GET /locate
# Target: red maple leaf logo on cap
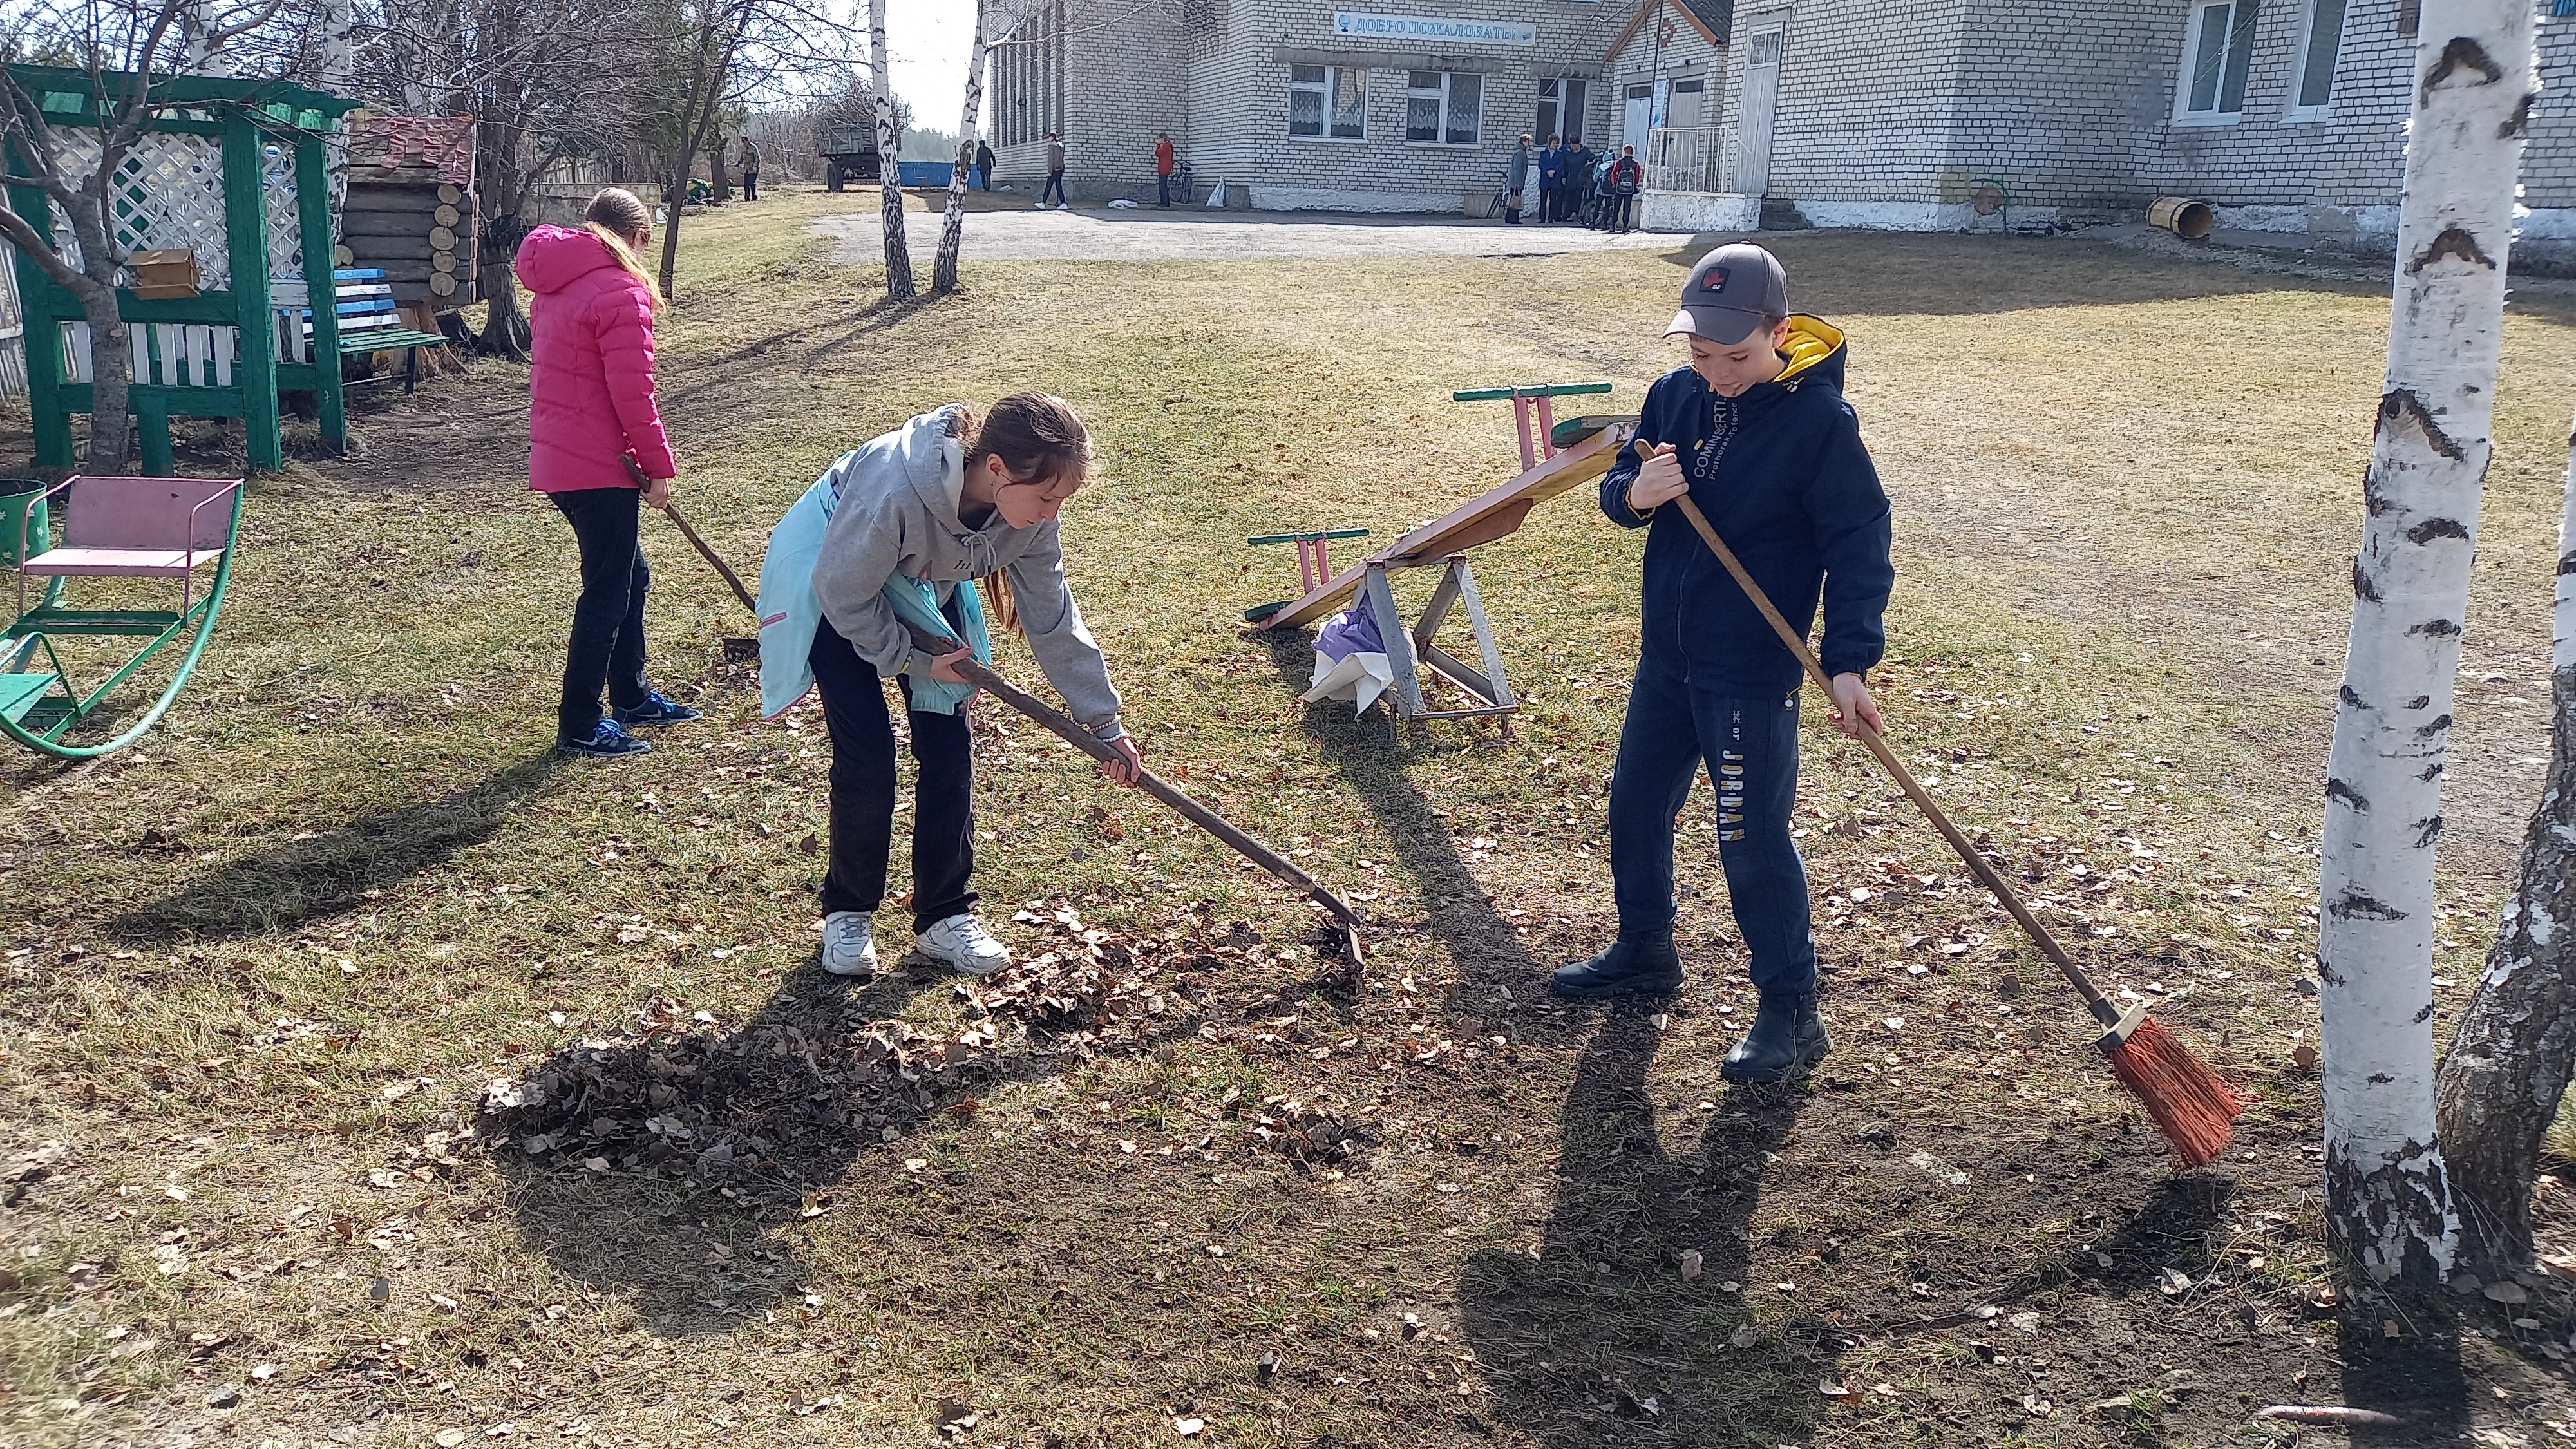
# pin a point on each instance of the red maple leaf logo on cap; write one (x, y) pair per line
(1714, 281)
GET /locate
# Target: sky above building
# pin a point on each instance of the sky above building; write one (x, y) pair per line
(929, 39)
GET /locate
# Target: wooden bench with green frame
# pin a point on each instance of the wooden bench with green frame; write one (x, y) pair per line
(233, 171)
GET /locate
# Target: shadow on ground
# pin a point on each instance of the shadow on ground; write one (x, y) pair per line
(672, 1171)
(281, 888)
(2416, 1378)
(1600, 1335)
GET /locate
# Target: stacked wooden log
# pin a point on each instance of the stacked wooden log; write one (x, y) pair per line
(410, 207)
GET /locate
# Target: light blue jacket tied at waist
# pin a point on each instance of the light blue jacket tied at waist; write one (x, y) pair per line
(876, 543)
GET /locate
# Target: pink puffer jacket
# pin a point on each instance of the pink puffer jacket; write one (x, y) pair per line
(590, 381)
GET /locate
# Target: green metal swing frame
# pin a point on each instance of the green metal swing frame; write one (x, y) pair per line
(38, 707)
(40, 704)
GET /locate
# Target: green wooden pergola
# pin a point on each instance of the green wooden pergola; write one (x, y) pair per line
(233, 170)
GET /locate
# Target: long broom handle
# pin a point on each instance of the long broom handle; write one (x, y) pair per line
(983, 676)
(2103, 1010)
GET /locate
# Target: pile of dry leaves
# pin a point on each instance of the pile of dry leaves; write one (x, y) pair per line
(810, 1078)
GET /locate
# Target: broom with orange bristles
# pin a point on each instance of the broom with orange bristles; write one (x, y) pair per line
(2190, 1104)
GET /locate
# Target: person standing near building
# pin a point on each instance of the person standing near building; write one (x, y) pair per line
(750, 170)
(1578, 179)
(1163, 169)
(1627, 178)
(984, 165)
(1551, 177)
(1516, 182)
(1055, 174)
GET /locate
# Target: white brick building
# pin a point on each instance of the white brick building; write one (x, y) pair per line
(2287, 115)
(1411, 106)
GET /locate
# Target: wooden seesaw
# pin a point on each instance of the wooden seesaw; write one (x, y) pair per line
(1556, 457)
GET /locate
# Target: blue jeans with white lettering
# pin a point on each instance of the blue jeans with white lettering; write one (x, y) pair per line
(1750, 748)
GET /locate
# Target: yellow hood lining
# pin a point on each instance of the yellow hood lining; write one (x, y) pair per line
(1811, 340)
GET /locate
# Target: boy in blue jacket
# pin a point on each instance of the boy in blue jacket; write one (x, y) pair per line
(1756, 432)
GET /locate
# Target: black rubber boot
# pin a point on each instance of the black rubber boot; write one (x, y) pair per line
(1643, 966)
(1784, 1043)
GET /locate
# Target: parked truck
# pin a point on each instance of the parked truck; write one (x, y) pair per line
(849, 153)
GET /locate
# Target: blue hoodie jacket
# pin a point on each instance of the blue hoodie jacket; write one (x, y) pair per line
(1784, 479)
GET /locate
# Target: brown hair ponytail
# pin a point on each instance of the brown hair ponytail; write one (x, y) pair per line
(1038, 436)
(615, 216)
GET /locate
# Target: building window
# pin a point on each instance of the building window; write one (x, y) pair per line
(2313, 86)
(2216, 52)
(1562, 106)
(1443, 108)
(1327, 100)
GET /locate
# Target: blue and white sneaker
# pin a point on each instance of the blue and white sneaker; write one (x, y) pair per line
(655, 710)
(606, 742)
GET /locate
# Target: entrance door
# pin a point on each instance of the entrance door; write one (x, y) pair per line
(1753, 119)
(1683, 111)
(1641, 105)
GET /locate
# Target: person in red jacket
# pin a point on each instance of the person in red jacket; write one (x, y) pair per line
(1163, 169)
(593, 430)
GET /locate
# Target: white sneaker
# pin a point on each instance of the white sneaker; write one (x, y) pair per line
(849, 944)
(1064, 206)
(962, 943)
(1037, 206)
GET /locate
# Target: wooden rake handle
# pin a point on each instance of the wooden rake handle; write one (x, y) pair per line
(985, 677)
(2103, 1010)
(672, 510)
(635, 471)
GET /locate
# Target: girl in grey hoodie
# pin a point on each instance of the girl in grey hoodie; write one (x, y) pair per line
(947, 500)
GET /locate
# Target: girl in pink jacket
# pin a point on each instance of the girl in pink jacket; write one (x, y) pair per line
(592, 431)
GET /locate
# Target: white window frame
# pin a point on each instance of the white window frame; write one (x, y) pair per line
(1328, 93)
(2295, 113)
(1441, 94)
(2195, 21)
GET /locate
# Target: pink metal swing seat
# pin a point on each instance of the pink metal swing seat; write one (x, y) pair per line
(111, 527)
(138, 528)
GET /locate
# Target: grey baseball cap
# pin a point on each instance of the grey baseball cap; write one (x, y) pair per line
(1730, 293)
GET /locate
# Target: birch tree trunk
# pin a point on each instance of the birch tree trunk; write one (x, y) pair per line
(2510, 1059)
(197, 38)
(336, 66)
(2388, 1199)
(898, 253)
(952, 225)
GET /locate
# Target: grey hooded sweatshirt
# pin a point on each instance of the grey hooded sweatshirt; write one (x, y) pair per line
(897, 514)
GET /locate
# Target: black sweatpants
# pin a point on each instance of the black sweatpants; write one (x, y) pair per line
(751, 186)
(608, 621)
(862, 810)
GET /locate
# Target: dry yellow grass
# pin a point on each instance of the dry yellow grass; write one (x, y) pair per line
(2126, 488)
